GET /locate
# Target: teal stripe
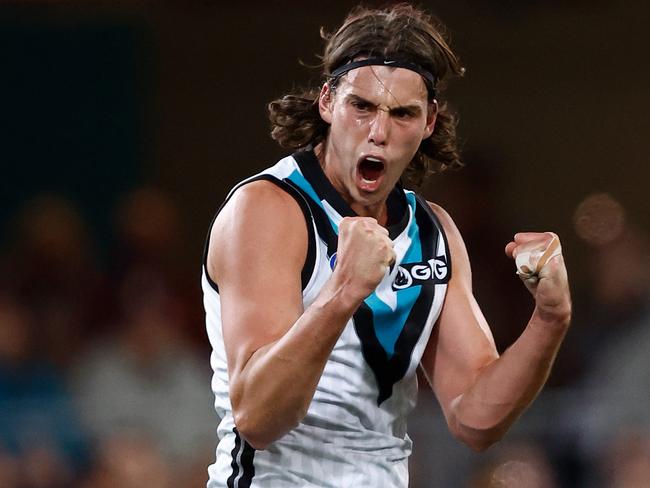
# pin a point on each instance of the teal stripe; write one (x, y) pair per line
(388, 323)
(297, 178)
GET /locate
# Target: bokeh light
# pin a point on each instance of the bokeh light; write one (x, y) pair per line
(599, 219)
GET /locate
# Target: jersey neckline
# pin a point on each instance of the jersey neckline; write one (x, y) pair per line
(397, 206)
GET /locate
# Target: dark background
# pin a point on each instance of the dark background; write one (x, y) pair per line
(98, 100)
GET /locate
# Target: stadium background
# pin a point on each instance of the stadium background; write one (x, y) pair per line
(124, 124)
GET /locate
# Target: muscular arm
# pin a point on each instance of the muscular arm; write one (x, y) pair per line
(276, 351)
(481, 393)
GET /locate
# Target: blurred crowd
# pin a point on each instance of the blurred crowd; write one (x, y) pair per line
(104, 372)
(104, 365)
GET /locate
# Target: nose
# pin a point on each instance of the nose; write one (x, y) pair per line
(379, 127)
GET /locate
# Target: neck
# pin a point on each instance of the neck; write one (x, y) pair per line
(377, 210)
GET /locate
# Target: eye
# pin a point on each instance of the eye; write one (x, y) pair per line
(361, 105)
(402, 113)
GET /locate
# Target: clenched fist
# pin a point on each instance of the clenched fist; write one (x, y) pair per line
(540, 265)
(363, 255)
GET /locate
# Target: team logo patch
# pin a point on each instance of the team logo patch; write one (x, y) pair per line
(411, 274)
(333, 262)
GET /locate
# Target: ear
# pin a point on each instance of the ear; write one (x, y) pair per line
(325, 103)
(432, 113)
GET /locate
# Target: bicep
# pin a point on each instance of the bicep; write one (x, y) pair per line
(257, 248)
(462, 343)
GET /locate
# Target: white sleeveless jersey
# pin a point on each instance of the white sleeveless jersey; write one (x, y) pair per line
(354, 433)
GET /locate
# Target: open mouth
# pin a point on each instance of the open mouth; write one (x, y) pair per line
(371, 169)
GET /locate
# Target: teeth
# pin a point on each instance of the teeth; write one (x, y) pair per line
(374, 160)
(367, 181)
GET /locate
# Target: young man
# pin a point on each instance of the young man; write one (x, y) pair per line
(326, 283)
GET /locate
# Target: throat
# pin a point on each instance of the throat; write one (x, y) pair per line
(377, 211)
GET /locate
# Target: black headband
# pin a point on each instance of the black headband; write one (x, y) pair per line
(430, 81)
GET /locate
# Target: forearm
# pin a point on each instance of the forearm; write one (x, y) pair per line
(272, 392)
(504, 388)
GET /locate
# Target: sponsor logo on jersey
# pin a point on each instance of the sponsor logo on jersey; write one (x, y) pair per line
(411, 274)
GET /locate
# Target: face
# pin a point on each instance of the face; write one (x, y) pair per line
(378, 117)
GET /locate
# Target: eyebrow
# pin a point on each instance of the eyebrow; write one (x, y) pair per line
(416, 109)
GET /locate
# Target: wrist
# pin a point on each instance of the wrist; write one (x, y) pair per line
(343, 294)
(557, 317)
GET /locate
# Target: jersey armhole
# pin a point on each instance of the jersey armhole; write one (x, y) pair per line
(436, 223)
(310, 259)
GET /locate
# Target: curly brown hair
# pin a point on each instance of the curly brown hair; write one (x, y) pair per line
(399, 32)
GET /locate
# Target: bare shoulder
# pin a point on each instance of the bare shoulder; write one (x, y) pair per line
(259, 197)
(258, 246)
(259, 219)
(445, 219)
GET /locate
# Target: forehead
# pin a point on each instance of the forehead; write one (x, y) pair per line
(381, 84)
